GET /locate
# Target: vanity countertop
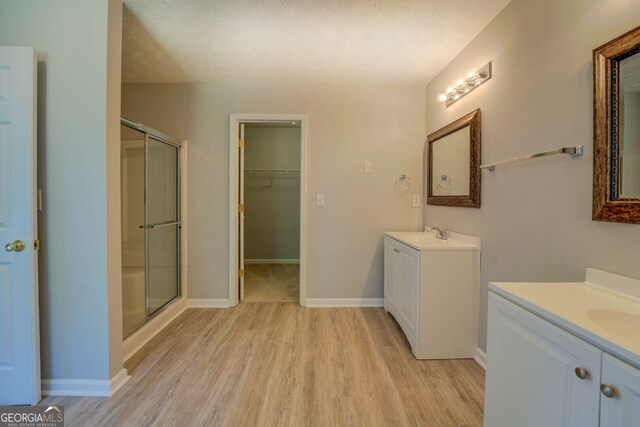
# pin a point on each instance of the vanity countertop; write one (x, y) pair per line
(604, 309)
(424, 241)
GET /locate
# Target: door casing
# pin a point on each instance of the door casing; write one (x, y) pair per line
(234, 197)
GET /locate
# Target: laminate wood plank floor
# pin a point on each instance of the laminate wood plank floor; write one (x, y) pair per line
(279, 364)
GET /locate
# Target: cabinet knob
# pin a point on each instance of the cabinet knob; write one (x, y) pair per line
(583, 373)
(608, 390)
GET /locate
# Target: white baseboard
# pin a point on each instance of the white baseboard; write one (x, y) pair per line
(272, 261)
(103, 388)
(481, 358)
(118, 380)
(345, 302)
(209, 303)
(139, 338)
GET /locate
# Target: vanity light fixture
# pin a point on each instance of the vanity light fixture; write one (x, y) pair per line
(463, 86)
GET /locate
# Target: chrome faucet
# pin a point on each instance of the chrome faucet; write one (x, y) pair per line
(442, 232)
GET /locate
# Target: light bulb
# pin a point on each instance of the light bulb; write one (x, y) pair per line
(460, 83)
(449, 91)
(473, 75)
(442, 97)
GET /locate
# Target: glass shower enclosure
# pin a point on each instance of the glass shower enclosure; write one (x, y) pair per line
(151, 223)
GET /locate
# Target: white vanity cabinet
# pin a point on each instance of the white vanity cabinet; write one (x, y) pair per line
(530, 378)
(401, 271)
(623, 408)
(431, 287)
(547, 365)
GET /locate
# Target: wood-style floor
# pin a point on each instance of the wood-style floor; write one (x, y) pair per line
(272, 364)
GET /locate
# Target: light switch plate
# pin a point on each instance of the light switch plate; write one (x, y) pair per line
(366, 166)
(319, 199)
(416, 200)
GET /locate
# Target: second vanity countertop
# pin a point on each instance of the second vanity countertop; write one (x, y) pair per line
(604, 309)
(424, 241)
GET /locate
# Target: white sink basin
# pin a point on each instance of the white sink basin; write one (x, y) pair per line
(618, 322)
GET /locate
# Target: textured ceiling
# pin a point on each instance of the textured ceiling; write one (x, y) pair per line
(382, 41)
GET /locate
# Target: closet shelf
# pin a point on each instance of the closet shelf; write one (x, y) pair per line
(272, 170)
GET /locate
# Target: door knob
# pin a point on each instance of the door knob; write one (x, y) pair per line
(15, 246)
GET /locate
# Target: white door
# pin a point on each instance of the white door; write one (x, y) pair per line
(407, 289)
(620, 403)
(241, 214)
(19, 329)
(390, 275)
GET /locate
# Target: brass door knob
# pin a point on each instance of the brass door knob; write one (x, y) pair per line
(15, 246)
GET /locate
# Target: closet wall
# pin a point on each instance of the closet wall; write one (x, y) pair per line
(272, 201)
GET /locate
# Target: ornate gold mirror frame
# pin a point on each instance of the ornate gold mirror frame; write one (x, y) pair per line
(609, 204)
(470, 198)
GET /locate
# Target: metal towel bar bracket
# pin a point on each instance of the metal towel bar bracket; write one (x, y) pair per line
(575, 151)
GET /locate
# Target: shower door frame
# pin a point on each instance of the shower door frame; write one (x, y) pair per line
(165, 139)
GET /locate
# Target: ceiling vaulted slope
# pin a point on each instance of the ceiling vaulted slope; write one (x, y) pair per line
(339, 41)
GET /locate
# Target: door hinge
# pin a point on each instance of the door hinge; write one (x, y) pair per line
(241, 208)
(240, 273)
(36, 244)
(241, 143)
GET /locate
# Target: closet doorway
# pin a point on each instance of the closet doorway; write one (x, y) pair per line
(267, 236)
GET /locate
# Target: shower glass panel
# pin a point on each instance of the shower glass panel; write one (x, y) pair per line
(134, 255)
(150, 188)
(163, 223)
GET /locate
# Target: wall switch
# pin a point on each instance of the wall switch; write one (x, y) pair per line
(416, 200)
(366, 166)
(319, 199)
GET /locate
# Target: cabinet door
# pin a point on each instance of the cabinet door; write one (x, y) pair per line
(623, 409)
(531, 379)
(390, 275)
(408, 265)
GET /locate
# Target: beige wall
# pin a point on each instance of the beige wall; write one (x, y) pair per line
(272, 201)
(78, 46)
(347, 125)
(535, 220)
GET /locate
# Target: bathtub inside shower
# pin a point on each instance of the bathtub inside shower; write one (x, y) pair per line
(133, 299)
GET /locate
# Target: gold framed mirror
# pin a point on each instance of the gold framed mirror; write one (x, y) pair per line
(453, 161)
(616, 154)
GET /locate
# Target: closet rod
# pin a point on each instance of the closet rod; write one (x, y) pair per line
(272, 170)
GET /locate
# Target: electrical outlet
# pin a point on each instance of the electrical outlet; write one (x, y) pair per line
(416, 200)
(319, 199)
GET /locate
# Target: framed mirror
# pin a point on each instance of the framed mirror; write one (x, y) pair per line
(616, 157)
(453, 163)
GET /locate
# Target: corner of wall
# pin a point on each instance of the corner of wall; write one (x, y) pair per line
(114, 243)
